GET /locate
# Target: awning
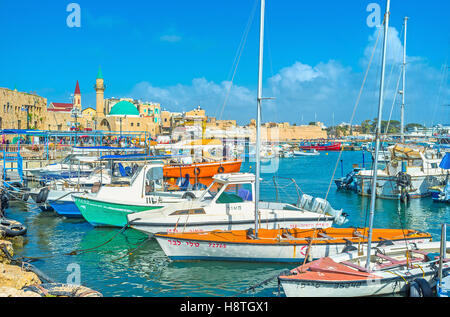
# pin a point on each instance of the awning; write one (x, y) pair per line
(445, 163)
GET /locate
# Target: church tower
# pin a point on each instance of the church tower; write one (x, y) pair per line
(77, 97)
(100, 89)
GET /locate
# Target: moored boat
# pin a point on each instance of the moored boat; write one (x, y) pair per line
(391, 270)
(200, 172)
(409, 174)
(146, 191)
(312, 152)
(331, 146)
(277, 245)
(231, 205)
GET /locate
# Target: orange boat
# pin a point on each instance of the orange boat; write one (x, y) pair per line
(200, 172)
(278, 245)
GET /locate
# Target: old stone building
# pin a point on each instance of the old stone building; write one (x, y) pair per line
(22, 110)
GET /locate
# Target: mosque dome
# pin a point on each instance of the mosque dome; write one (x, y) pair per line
(124, 108)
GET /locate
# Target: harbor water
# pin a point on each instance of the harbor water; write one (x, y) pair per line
(111, 270)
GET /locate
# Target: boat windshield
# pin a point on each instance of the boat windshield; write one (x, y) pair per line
(214, 189)
(235, 193)
(69, 158)
(136, 173)
(155, 173)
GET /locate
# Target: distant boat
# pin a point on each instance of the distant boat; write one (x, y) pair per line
(332, 146)
(312, 152)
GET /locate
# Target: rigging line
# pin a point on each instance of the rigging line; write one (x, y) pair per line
(351, 121)
(354, 109)
(444, 75)
(394, 65)
(383, 138)
(238, 56)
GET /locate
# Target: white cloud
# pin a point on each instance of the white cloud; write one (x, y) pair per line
(170, 38)
(209, 95)
(303, 90)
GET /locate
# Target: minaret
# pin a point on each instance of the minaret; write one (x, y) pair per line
(100, 89)
(77, 97)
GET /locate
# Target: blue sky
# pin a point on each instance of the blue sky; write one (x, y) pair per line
(181, 54)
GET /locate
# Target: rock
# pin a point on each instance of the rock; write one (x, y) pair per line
(12, 292)
(17, 241)
(15, 277)
(9, 247)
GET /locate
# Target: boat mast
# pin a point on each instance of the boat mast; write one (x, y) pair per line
(258, 115)
(402, 115)
(373, 193)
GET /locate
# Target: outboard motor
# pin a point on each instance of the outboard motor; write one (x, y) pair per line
(403, 181)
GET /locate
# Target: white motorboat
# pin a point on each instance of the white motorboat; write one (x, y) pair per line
(312, 152)
(410, 173)
(231, 205)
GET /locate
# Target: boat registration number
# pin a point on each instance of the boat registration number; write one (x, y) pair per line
(186, 243)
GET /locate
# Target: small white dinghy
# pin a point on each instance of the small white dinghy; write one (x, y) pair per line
(312, 152)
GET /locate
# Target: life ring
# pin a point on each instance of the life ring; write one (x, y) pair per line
(420, 288)
(188, 196)
(220, 170)
(301, 250)
(196, 170)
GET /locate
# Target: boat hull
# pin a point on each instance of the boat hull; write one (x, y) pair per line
(103, 213)
(356, 288)
(66, 208)
(222, 223)
(330, 147)
(236, 246)
(201, 172)
(391, 270)
(387, 187)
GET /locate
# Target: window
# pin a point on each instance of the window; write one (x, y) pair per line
(131, 123)
(138, 124)
(199, 211)
(235, 194)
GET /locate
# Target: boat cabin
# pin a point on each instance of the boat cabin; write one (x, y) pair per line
(230, 188)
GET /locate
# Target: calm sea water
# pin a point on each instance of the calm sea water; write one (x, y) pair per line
(148, 272)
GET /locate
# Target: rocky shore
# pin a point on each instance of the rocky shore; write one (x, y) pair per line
(13, 278)
(19, 281)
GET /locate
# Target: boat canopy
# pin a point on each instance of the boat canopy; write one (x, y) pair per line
(407, 152)
(235, 178)
(136, 157)
(445, 163)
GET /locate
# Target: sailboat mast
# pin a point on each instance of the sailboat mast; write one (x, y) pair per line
(258, 115)
(402, 114)
(373, 193)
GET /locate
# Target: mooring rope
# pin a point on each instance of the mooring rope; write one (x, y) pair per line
(266, 281)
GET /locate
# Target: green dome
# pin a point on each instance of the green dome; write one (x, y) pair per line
(124, 108)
